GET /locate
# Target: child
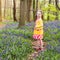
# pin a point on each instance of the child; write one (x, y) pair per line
(38, 31)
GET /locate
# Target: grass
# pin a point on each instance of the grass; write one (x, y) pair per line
(51, 36)
(15, 44)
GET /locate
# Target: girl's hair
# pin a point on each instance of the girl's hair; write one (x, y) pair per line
(36, 15)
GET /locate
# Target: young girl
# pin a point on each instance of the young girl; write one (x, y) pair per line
(38, 31)
(38, 35)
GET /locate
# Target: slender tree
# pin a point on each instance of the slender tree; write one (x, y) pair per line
(0, 12)
(34, 10)
(28, 7)
(22, 20)
(4, 7)
(36, 5)
(49, 10)
(57, 6)
(10, 8)
(14, 10)
(24, 12)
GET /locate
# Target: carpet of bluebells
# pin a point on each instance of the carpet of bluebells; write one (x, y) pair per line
(15, 44)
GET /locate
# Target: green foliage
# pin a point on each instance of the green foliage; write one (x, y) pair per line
(13, 45)
(8, 18)
(52, 37)
(8, 15)
(51, 16)
(49, 55)
(50, 7)
(49, 11)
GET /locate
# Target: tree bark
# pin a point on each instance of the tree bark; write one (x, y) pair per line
(28, 7)
(4, 7)
(36, 5)
(14, 10)
(57, 7)
(56, 1)
(48, 10)
(34, 12)
(35, 8)
(22, 12)
(0, 12)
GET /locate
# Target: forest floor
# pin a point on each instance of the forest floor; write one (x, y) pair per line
(51, 36)
(12, 24)
(2, 25)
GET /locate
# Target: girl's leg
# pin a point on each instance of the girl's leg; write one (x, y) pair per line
(41, 44)
(36, 45)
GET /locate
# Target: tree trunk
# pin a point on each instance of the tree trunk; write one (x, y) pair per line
(4, 7)
(14, 10)
(35, 9)
(36, 5)
(26, 11)
(34, 12)
(56, 1)
(22, 12)
(48, 10)
(57, 7)
(0, 12)
(28, 7)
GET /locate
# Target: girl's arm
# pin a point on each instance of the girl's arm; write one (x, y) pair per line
(38, 25)
(38, 28)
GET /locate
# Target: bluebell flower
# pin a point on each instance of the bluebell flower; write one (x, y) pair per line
(48, 40)
(25, 37)
(49, 47)
(16, 34)
(19, 43)
(58, 26)
(4, 52)
(25, 43)
(59, 40)
(57, 48)
(21, 35)
(4, 37)
(54, 32)
(0, 54)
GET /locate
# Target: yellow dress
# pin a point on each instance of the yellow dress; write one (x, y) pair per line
(38, 29)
